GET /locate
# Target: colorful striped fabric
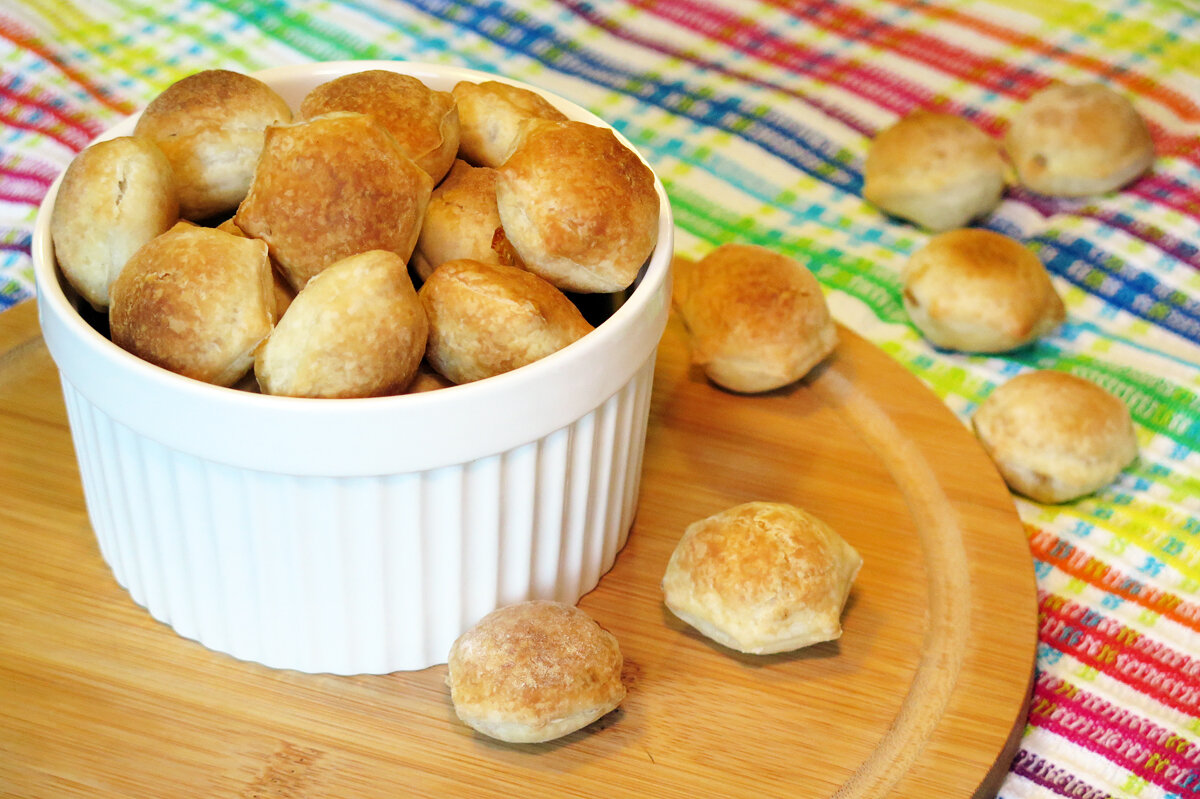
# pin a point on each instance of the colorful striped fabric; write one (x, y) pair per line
(757, 116)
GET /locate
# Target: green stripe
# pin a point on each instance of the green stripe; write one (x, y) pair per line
(301, 31)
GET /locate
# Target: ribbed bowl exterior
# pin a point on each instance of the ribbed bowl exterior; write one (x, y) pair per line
(353, 575)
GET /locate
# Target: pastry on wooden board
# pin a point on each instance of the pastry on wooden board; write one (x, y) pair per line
(534, 671)
(761, 578)
(1055, 436)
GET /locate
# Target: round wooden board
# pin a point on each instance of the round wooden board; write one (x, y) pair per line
(923, 696)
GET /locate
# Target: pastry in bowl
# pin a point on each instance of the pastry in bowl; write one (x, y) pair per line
(462, 221)
(330, 187)
(974, 290)
(937, 170)
(757, 319)
(490, 113)
(115, 196)
(355, 330)
(194, 300)
(1054, 436)
(1074, 140)
(761, 578)
(534, 671)
(210, 125)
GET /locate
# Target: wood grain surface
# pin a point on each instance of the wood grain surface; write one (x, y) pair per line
(923, 696)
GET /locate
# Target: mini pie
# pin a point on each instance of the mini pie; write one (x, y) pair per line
(757, 319)
(761, 578)
(115, 196)
(975, 290)
(937, 170)
(330, 187)
(490, 114)
(210, 125)
(461, 221)
(423, 121)
(1055, 437)
(487, 319)
(534, 671)
(194, 300)
(355, 330)
(1072, 140)
(578, 206)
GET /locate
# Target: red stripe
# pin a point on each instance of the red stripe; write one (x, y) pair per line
(89, 127)
(26, 40)
(75, 143)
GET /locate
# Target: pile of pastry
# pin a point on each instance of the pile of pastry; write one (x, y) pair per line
(233, 241)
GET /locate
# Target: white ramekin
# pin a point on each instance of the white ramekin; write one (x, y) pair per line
(363, 535)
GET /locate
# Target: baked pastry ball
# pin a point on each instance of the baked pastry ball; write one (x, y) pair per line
(937, 170)
(355, 330)
(196, 301)
(977, 291)
(761, 578)
(757, 320)
(423, 121)
(330, 187)
(114, 197)
(489, 114)
(487, 319)
(534, 671)
(577, 205)
(282, 291)
(462, 221)
(210, 126)
(1055, 437)
(1072, 140)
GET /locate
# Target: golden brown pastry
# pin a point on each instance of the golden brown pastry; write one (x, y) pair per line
(114, 197)
(331, 187)
(1075, 140)
(978, 291)
(486, 319)
(534, 671)
(427, 379)
(355, 330)
(210, 126)
(1055, 437)
(282, 291)
(578, 206)
(937, 170)
(761, 577)
(423, 121)
(489, 115)
(196, 301)
(462, 221)
(757, 319)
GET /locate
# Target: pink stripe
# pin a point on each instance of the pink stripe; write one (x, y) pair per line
(89, 127)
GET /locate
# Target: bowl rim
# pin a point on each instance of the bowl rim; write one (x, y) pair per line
(536, 399)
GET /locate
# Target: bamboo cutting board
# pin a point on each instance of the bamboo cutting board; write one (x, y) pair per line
(923, 696)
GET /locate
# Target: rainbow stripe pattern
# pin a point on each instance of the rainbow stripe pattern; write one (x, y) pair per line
(757, 115)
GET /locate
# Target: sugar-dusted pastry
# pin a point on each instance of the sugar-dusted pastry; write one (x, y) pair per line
(490, 113)
(282, 290)
(462, 221)
(423, 121)
(1072, 140)
(330, 187)
(978, 291)
(1055, 437)
(761, 577)
(355, 330)
(757, 320)
(114, 197)
(196, 301)
(578, 206)
(486, 319)
(534, 671)
(210, 126)
(937, 170)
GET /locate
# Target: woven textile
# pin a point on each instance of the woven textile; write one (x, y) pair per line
(757, 117)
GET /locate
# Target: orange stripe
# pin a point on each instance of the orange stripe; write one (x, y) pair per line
(1140, 84)
(28, 41)
(1068, 558)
